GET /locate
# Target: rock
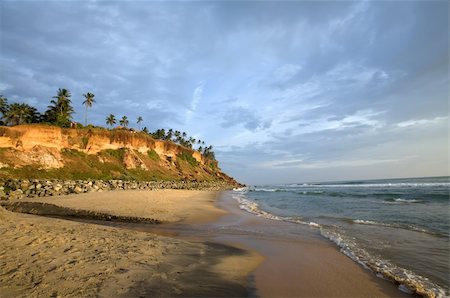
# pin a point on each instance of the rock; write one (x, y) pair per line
(78, 189)
(57, 187)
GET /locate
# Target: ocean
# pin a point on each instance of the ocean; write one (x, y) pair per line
(397, 228)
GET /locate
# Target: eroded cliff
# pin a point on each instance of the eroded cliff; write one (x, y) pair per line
(39, 151)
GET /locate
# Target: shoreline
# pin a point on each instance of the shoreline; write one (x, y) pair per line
(303, 264)
(245, 245)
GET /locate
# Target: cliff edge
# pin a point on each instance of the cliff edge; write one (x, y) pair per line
(49, 152)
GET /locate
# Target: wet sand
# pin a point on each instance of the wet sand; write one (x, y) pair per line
(298, 261)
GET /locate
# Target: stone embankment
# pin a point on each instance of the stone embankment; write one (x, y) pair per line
(21, 188)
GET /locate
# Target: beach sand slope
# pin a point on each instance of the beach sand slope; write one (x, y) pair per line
(41, 256)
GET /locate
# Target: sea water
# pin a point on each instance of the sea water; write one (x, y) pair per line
(398, 228)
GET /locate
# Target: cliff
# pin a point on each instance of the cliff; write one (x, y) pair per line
(49, 152)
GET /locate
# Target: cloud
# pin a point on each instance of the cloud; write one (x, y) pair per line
(245, 117)
(421, 122)
(301, 164)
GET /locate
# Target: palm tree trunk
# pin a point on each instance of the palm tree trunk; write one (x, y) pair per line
(85, 117)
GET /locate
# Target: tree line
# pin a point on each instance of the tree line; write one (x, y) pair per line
(60, 112)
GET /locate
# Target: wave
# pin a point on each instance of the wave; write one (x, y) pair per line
(394, 225)
(266, 189)
(253, 207)
(365, 185)
(402, 201)
(408, 281)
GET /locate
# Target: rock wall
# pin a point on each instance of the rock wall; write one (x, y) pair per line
(20, 188)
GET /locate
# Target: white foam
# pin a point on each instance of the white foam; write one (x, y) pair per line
(253, 207)
(407, 201)
(240, 189)
(393, 225)
(380, 185)
(408, 280)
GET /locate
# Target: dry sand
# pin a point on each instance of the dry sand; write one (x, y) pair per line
(49, 257)
(189, 206)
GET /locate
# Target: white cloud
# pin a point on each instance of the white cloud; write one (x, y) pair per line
(302, 164)
(421, 122)
(196, 98)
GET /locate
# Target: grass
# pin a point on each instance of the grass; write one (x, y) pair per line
(188, 158)
(115, 153)
(153, 155)
(72, 153)
(84, 142)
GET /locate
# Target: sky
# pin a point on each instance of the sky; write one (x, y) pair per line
(285, 91)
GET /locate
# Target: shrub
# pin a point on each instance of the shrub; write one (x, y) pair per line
(153, 155)
(72, 153)
(118, 153)
(84, 142)
(189, 158)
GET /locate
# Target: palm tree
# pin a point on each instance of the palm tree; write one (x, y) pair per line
(3, 104)
(61, 111)
(111, 120)
(169, 134)
(20, 113)
(139, 120)
(88, 103)
(124, 121)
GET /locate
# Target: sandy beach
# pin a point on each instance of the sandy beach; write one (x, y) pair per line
(215, 249)
(43, 256)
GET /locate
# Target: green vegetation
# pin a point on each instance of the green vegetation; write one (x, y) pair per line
(124, 121)
(116, 153)
(84, 142)
(20, 113)
(60, 113)
(88, 103)
(72, 153)
(153, 155)
(61, 110)
(188, 157)
(111, 120)
(138, 121)
(182, 139)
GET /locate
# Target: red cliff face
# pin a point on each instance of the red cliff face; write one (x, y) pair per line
(108, 153)
(29, 138)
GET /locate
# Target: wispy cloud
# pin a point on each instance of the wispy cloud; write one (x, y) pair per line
(421, 122)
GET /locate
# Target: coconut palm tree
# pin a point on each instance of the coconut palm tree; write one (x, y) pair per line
(61, 111)
(3, 104)
(169, 134)
(20, 113)
(111, 120)
(139, 120)
(124, 121)
(88, 103)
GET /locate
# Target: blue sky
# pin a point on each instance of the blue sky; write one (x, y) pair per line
(286, 91)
